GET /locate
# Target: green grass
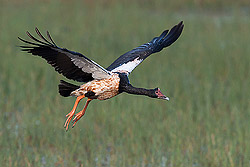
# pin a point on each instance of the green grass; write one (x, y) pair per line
(206, 74)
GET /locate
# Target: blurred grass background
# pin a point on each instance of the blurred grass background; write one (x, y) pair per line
(206, 74)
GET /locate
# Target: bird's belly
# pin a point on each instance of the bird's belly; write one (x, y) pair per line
(107, 95)
(103, 89)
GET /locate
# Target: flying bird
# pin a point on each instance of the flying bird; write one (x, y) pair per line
(99, 83)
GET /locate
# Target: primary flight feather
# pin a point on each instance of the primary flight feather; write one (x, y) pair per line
(100, 83)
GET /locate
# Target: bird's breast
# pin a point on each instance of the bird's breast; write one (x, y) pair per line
(103, 89)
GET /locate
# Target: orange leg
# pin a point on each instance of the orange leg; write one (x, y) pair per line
(81, 113)
(72, 112)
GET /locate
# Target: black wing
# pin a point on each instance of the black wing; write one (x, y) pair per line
(71, 64)
(128, 61)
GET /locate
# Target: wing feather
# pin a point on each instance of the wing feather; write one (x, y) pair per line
(72, 65)
(128, 61)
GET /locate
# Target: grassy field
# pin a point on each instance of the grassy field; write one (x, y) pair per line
(206, 74)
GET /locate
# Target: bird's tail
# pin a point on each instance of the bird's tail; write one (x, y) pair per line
(66, 88)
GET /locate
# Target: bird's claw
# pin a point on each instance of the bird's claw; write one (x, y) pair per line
(77, 117)
(70, 116)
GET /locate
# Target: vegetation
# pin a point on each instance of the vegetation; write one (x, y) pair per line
(206, 74)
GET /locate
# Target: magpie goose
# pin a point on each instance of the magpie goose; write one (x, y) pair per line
(99, 83)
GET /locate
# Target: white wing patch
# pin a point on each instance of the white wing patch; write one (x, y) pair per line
(129, 66)
(88, 66)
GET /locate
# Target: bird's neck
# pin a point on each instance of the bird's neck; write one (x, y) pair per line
(139, 91)
(125, 86)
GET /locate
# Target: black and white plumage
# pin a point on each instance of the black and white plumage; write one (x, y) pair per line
(72, 65)
(101, 83)
(128, 61)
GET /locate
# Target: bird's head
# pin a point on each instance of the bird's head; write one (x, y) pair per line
(159, 95)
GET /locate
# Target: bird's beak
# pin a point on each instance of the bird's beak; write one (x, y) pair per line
(161, 95)
(164, 98)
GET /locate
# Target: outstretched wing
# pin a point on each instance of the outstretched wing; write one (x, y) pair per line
(128, 61)
(71, 64)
